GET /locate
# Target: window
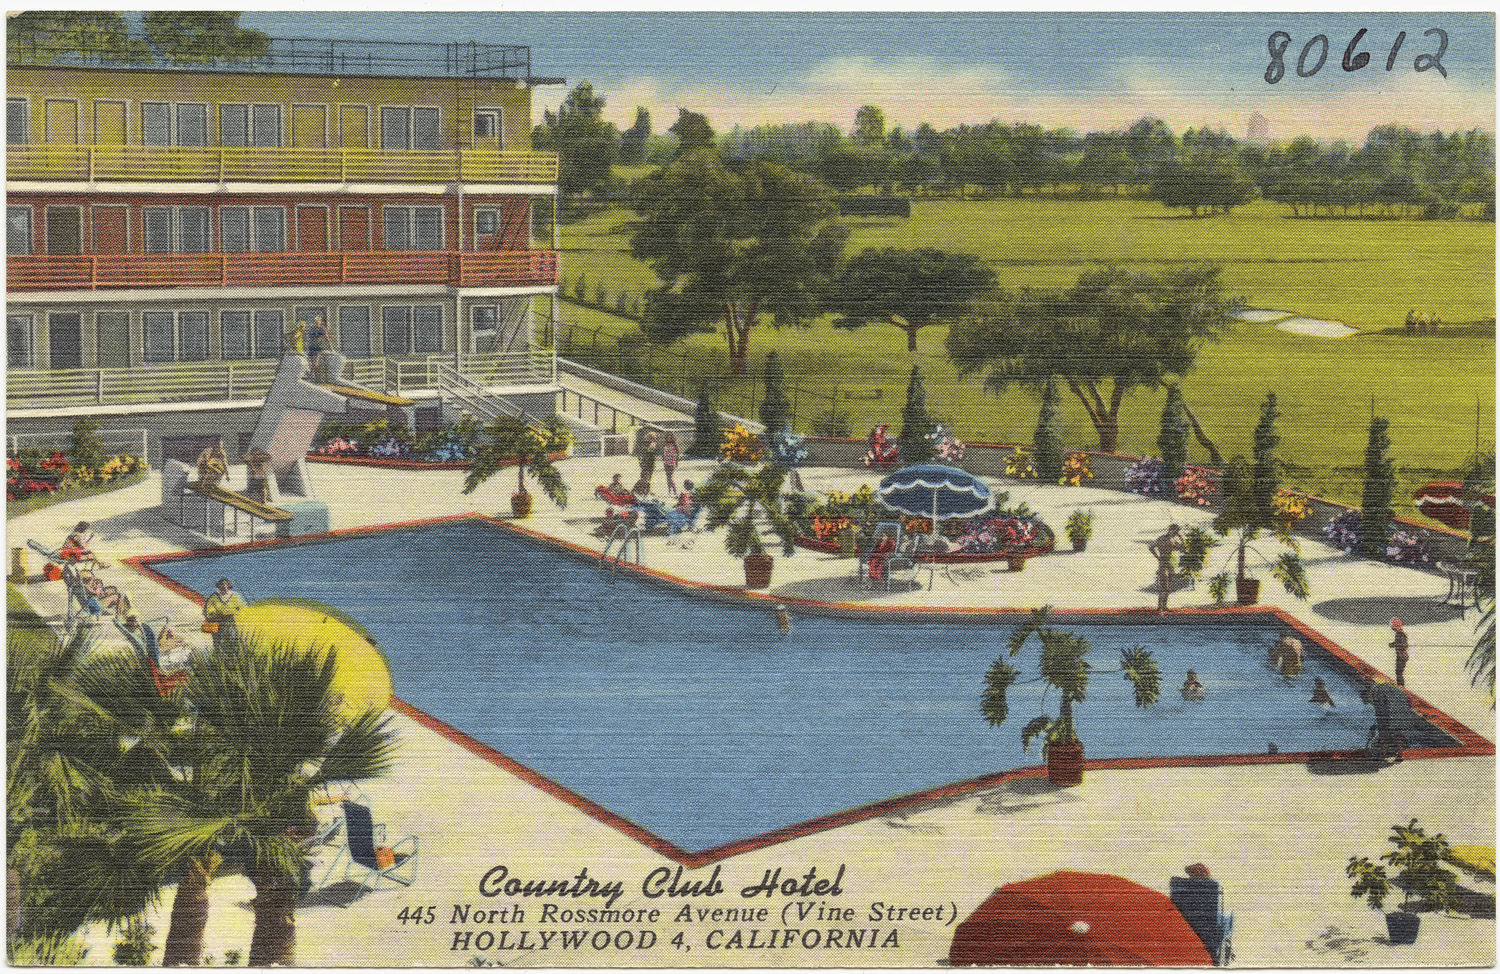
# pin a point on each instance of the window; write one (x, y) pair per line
(486, 222)
(17, 121)
(269, 327)
(395, 128)
(270, 229)
(158, 227)
(192, 230)
(192, 327)
(265, 126)
(179, 336)
(403, 127)
(250, 125)
(487, 128)
(157, 326)
(412, 330)
(18, 239)
(484, 328)
(234, 229)
(156, 123)
(19, 340)
(354, 332)
(413, 227)
(182, 230)
(192, 125)
(234, 334)
(261, 229)
(234, 126)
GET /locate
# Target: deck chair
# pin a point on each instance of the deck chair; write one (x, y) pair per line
(365, 849)
(874, 561)
(146, 645)
(1201, 903)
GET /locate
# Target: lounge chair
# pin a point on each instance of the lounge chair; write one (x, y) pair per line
(147, 646)
(364, 848)
(890, 554)
(1201, 903)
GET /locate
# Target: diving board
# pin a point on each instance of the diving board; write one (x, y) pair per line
(369, 395)
(227, 501)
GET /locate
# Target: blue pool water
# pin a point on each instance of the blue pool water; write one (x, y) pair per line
(702, 723)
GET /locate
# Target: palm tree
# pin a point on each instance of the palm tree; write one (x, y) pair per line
(68, 778)
(527, 444)
(267, 732)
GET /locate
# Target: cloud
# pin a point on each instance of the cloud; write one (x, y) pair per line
(919, 89)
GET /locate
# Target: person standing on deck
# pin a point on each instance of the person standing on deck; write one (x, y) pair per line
(219, 611)
(1402, 653)
(671, 455)
(1161, 549)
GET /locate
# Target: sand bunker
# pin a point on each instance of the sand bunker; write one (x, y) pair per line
(1316, 326)
(1261, 315)
(1292, 322)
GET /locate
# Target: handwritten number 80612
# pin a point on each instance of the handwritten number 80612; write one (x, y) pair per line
(1315, 54)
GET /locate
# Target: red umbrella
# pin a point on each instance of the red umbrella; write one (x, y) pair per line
(1443, 500)
(1078, 919)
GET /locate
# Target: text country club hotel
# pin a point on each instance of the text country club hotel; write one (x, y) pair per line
(167, 224)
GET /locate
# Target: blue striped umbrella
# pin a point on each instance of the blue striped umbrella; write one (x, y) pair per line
(935, 491)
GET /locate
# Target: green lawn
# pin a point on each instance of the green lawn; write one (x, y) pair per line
(1366, 273)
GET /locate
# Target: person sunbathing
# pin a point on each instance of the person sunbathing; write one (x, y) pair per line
(102, 597)
(76, 547)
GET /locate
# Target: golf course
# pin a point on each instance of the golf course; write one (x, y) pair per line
(1367, 273)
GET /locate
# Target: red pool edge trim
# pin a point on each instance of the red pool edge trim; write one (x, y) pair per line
(1471, 744)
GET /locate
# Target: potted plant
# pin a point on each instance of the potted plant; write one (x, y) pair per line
(1063, 666)
(528, 445)
(1243, 512)
(1426, 883)
(1080, 528)
(751, 504)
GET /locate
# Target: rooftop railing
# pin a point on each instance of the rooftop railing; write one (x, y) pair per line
(115, 163)
(276, 55)
(93, 272)
(250, 379)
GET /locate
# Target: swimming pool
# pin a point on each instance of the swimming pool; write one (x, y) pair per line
(698, 721)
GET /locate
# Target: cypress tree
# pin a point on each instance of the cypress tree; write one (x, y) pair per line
(1172, 441)
(1047, 445)
(916, 425)
(1375, 511)
(708, 428)
(1266, 483)
(775, 408)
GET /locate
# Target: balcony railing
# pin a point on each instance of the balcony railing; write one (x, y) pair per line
(93, 272)
(182, 382)
(107, 163)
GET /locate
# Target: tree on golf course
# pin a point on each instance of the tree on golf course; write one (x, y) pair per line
(734, 245)
(910, 289)
(1111, 333)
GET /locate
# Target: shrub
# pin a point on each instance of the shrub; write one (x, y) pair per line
(1018, 465)
(1047, 442)
(1407, 548)
(1076, 469)
(1195, 487)
(581, 288)
(915, 440)
(1343, 531)
(741, 446)
(1172, 441)
(1145, 477)
(1380, 487)
(1291, 509)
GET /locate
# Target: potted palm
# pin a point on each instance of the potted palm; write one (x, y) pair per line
(1080, 528)
(1419, 857)
(1248, 514)
(528, 445)
(751, 505)
(1063, 666)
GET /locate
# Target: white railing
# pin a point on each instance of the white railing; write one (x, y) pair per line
(130, 441)
(183, 382)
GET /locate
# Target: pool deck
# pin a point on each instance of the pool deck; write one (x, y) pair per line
(1277, 836)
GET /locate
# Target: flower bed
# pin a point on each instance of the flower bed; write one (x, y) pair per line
(393, 463)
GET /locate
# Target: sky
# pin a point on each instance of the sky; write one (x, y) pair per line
(1086, 71)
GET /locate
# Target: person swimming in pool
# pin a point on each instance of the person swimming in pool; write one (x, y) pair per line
(1192, 688)
(1321, 696)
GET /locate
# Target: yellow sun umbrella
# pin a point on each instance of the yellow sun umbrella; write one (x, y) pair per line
(363, 676)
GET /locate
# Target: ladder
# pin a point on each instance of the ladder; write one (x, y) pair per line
(625, 534)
